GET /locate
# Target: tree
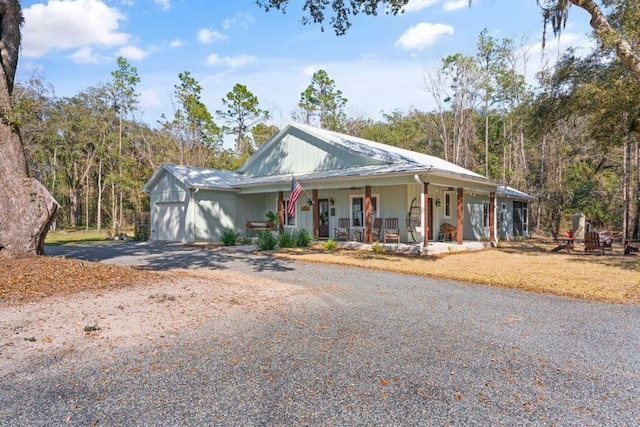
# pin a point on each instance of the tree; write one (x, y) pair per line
(27, 209)
(491, 58)
(241, 114)
(197, 136)
(613, 32)
(341, 20)
(123, 88)
(321, 99)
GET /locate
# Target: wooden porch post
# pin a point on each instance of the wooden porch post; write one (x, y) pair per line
(367, 214)
(316, 217)
(425, 215)
(460, 225)
(280, 210)
(492, 215)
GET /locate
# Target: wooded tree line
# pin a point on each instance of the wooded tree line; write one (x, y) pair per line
(571, 139)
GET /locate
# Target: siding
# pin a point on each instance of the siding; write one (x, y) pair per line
(293, 154)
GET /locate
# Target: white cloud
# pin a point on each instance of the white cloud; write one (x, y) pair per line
(163, 4)
(132, 52)
(177, 43)
(422, 35)
(66, 24)
(85, 55)
(241, 18)
(417, 5)
(230, 61)
(207, 36)
(453, 5)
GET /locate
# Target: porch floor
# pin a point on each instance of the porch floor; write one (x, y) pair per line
(434, 248)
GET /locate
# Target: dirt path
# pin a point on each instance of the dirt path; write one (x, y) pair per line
(129, 316)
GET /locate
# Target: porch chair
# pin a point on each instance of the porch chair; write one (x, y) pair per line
(342, 230)
(606, 239)
(376, 229)
(563, 243)
(592, 243)
(391, 230)
(449, 232)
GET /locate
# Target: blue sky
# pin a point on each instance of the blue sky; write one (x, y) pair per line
(380, 65)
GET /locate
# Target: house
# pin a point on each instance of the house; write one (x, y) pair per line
(343, 177)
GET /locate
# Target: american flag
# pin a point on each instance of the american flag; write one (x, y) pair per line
(296, 191)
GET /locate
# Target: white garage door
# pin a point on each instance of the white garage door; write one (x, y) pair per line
(169, 222)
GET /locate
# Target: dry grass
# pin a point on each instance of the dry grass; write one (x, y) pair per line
(524, 265)
(527, 265)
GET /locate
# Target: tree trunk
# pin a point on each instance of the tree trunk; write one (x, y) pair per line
(606, 32)
(99, 202)
(26, 207)
(625, 188)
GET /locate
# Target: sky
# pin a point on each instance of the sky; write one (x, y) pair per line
(380, 65)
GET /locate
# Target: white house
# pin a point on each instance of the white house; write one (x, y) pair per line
(343, 177)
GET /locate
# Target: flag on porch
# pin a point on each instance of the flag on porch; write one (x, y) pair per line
(296, 191)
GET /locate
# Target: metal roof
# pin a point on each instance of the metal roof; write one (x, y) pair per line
(397, 161)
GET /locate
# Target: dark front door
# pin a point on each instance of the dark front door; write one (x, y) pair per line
(323, 218)
(519, 212)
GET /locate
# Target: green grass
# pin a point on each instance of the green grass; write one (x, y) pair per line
(75, 236)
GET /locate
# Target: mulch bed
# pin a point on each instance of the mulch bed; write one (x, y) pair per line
(33, 278)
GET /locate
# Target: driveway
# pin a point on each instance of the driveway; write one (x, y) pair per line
(353, 347)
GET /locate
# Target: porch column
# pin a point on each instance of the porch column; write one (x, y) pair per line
(316, 217)
(280, 210)
(367, 214)
(425, 215)
(460, 225)
(492, 217)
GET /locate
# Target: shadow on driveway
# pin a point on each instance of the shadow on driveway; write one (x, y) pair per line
(166, 256)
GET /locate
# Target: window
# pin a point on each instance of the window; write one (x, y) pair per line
(447, 205)
(289, 220)
(485, 214)
(357, 209)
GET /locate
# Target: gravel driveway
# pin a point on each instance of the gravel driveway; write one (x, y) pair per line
(353, 347)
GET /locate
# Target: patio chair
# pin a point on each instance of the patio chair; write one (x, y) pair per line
(342, 230)
(391, 230)
(449, 232)
(376, 230)
(592, 243)
(606, 239)
(563, 243)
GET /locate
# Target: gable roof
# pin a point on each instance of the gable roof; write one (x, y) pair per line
(392, 158)
(193, 177)
(366, 159)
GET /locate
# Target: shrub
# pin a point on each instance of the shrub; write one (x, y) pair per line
(229, 237)
(377, 247)
(267, 241)
(330, 244)
(245, 239)
(303, 238)
(287, 239)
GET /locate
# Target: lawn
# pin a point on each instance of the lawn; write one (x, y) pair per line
(76, 236)
(527, 265)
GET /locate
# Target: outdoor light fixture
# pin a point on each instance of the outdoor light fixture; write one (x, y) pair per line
(438, 201)
(309, 202)
(331, 201)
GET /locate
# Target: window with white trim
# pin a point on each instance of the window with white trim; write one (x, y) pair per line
(485, 214)
(447, 205)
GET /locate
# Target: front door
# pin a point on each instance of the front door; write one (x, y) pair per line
(323, 218)
(519, 219)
